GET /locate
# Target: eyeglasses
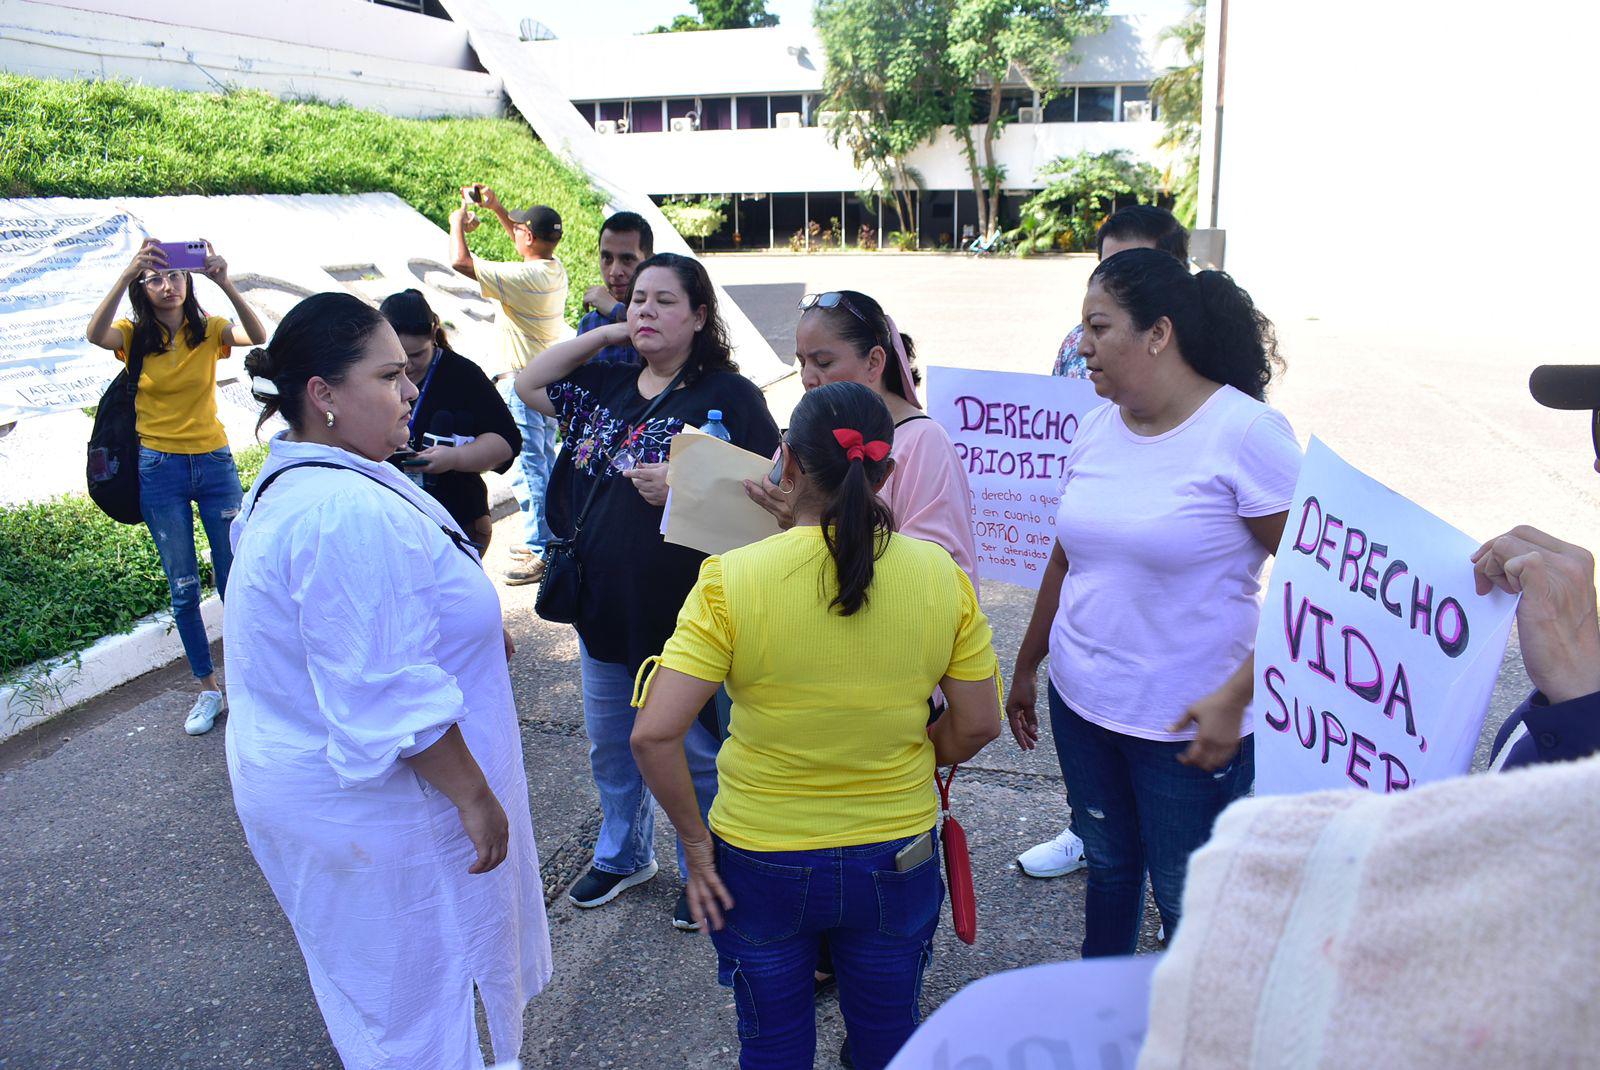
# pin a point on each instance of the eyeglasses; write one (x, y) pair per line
(156, 278)
(832, 299)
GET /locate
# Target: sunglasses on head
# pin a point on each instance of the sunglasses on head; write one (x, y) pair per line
(832, 299)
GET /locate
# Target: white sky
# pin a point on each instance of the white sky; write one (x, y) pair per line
(569, 18)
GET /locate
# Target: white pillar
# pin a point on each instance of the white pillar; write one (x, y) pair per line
(805, 225)
(772, 221)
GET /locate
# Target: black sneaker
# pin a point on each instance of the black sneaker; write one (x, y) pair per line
(682, 920)
(597, 887)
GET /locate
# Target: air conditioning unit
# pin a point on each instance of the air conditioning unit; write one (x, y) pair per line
(1030, 115)
(622, 126)
(606, 126)
(685, 124)
(789, 120)
(1135, 111)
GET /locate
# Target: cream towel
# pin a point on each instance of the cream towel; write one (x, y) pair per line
(1455, 926)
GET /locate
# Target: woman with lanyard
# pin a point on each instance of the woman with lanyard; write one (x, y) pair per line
(1174, 496)
(457, 403)
(846, 337)
(184, 459)
(620, 421)
(373, 747)
(823, 826)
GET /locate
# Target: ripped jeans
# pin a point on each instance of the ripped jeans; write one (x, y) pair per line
(170, 485)
(878, 921)
(1137, 810)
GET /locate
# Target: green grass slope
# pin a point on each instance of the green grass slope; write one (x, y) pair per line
(68, 574)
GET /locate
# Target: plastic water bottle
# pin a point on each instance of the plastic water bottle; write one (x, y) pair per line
(714, 426)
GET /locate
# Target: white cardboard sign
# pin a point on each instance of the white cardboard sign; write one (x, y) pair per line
(1091, 1014)
(1012, 432)
(1375, 657)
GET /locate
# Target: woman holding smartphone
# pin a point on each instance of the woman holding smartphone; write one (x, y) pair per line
(184, 460)
(823, 822)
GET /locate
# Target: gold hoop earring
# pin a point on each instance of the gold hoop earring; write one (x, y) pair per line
(785, 485)
(330, 417)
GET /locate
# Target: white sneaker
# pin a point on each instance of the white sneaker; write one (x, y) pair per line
(204, 713)
(1060, 856)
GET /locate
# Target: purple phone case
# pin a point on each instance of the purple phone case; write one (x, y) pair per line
(184, 255)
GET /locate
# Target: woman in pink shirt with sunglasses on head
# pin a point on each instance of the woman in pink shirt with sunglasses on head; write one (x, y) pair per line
(845, 336)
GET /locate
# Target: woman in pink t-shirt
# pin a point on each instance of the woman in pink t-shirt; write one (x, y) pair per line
(845, 336)
(1174, 496)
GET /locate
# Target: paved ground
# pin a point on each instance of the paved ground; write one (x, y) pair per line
(137, 931)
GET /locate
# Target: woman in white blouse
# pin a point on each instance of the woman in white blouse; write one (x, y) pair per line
(372, 740)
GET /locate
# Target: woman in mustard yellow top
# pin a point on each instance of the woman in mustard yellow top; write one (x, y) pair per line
(830, 638)
(184, 458)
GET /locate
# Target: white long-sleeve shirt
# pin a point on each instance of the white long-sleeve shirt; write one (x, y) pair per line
(357, 633)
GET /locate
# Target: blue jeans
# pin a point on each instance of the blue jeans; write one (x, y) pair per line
(170, 485)
(627, 809)
(530, 474)
(1137, 810)
(879, 923)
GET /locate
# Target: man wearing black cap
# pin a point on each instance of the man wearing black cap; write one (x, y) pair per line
(532, 294)
(1556, 622)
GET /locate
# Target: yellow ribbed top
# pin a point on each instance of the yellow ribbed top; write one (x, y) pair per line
(828, 739)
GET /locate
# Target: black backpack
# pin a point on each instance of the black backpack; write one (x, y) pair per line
(113, 469)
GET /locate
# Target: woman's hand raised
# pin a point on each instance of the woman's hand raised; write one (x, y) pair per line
(773, 500)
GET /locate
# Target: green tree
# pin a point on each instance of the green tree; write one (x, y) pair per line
(887, 86)
(722, 15)
(988, 40)
(696, 218)
(1079, 192)
(1177, 95)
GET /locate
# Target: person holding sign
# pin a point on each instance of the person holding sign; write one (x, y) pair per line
(621, 420)
(824, 823)
(846, 337)
(184, 459)
(1174, 496)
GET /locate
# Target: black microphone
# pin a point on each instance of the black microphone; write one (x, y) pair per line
(442, 431)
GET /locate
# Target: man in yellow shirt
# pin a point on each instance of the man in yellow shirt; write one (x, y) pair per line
(532, 294)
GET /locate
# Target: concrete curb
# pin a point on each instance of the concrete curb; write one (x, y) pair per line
(48, 689)
(51, 688)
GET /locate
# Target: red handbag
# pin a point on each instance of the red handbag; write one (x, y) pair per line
(957, 865)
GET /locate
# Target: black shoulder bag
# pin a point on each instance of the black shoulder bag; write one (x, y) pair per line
(561, 589)
(113, 469)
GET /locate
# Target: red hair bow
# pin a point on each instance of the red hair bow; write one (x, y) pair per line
(856, 448)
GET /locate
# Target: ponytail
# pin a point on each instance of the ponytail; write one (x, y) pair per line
(841, 434)
(1219, 330)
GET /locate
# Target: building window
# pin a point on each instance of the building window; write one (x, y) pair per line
(1012, 101)
(1059, 109)
(645, 118)
(677, 109)
(1097, 103)
(752, 113)
(613, 110)
(785, 104)
(585, 109)
(716, 113)
(1132, 94)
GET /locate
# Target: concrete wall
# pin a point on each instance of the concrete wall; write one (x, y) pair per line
(792, 161)
(334, 50)
(1404, 160)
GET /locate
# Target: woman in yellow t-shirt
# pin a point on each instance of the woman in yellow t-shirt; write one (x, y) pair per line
(184, 458)
(830, 638)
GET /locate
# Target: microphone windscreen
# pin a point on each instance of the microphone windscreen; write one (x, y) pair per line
(1566, 386)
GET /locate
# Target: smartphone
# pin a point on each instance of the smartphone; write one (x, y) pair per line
(414, 462)
(183, 255)
(914, 853)
(476, 193)
(404, 453)
(775, 476)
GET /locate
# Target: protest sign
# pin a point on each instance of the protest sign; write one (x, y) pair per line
(1375, 657)
(1091, 1014)
(55, 267)
(1011, 432)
